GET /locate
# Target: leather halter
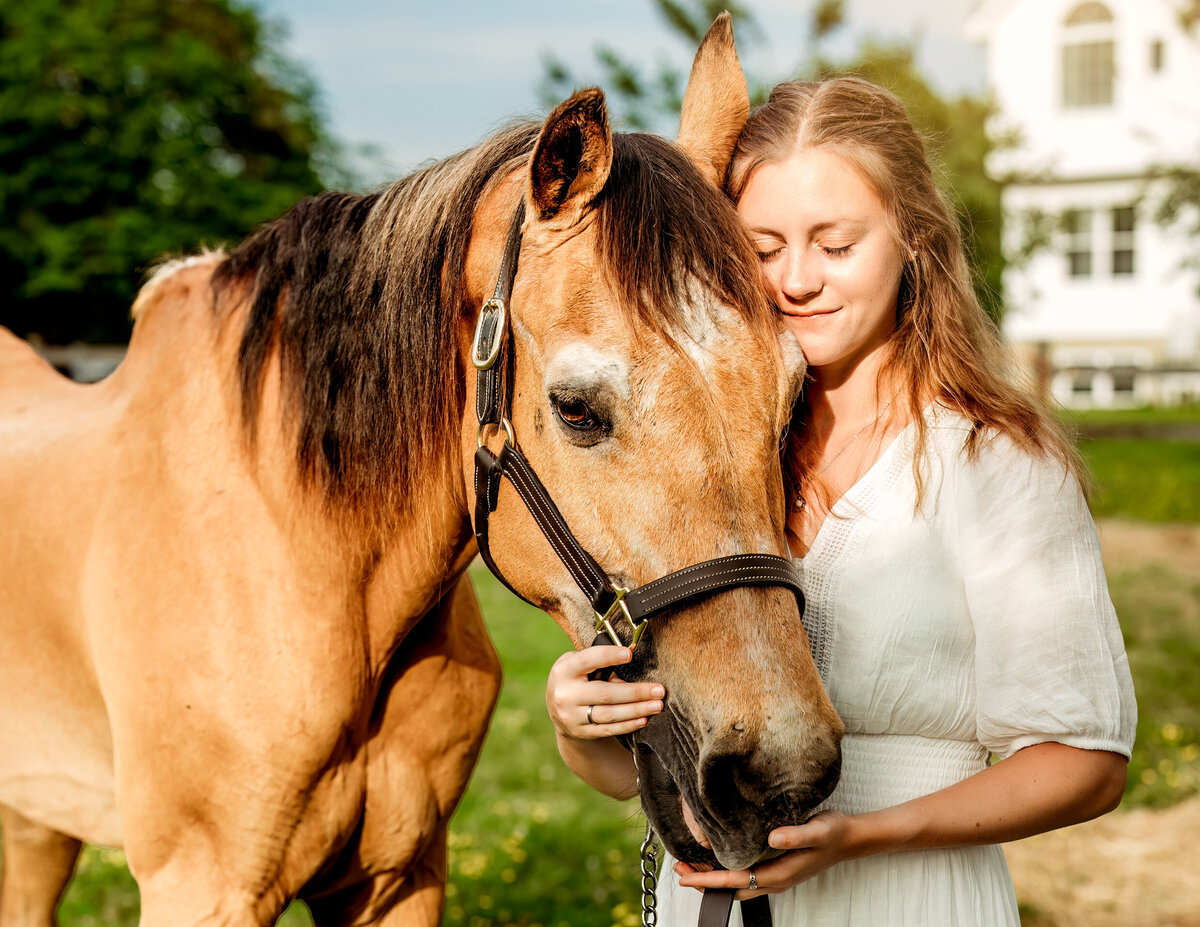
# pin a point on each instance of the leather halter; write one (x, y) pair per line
(609, 601)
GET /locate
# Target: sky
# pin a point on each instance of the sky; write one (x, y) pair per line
(418, 81)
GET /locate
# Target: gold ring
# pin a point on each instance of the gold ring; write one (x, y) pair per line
(590, 721)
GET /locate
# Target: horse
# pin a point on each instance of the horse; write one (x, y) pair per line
(236, 635)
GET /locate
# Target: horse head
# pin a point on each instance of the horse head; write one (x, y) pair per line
(648, 383)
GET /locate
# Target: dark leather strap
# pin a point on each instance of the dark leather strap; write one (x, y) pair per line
(491, 381)
(511, 463)
(713, 576)
(717, 904)
(691, 582)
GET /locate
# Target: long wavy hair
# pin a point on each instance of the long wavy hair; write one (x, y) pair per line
(944, 347)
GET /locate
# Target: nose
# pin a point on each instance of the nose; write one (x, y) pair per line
(735, 774)
(801, 276)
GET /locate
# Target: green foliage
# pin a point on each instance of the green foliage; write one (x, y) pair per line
(954, 127)
(129, 130)
(648, 102)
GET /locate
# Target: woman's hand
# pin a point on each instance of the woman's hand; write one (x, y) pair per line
(615, 707)
(1038, 788)
(822, 842)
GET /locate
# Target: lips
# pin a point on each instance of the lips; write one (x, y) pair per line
(813, 313)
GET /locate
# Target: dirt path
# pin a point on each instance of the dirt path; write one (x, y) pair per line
(1128, 869)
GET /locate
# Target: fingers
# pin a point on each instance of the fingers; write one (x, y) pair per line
(604, 714)
(615, 707)
(692, 876)
(812, 833)
(590, 659)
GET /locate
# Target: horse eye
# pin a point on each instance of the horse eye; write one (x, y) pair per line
(574, 412)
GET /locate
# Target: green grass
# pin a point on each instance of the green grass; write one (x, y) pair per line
(1160, 618)
(1144, 479)
(1145, 462)
(530, 843)
(1165, 415)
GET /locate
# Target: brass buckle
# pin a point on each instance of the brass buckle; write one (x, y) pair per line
(492, 305)
(604, 622)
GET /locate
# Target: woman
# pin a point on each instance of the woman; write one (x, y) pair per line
(957, 607)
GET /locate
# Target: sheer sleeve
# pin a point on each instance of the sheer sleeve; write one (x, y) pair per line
(1050, 660)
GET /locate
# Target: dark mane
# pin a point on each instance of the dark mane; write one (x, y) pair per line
(361, 295)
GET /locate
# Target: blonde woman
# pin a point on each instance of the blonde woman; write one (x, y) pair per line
(957, 606)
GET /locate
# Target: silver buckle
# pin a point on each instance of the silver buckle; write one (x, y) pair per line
(604, 622)
(492, 305)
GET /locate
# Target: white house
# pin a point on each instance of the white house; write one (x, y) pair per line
(1097, 96)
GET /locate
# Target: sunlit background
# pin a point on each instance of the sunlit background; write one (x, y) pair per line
(1066, 133)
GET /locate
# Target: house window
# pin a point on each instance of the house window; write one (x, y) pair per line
(1124, 218)
(1088, 57)
(1077, 225)
(1158, 55)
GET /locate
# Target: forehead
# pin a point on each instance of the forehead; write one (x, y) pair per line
(812, 186)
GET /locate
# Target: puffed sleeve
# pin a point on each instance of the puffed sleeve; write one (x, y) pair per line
(1050, 660)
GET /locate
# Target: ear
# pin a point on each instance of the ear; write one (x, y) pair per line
(571, 159)
(715, 104)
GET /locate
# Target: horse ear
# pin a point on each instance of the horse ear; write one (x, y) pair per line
(571, 159)
(715, 104)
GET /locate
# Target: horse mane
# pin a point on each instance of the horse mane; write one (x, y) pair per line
(361, 295)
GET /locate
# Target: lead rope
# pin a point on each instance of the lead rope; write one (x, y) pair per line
(649, 878)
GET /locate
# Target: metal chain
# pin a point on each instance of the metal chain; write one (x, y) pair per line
(649, 878)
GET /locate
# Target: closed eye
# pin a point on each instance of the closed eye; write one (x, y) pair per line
(837, 252)
(766, 256)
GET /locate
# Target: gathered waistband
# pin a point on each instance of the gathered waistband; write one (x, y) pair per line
(881, 770)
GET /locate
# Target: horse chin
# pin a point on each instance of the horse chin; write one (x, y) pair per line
(662, 801)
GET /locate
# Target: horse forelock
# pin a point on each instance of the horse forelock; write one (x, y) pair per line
(673, 248)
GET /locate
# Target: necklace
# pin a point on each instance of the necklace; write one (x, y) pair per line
(801, 503)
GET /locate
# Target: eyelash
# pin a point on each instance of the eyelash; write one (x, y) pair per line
(765, 256)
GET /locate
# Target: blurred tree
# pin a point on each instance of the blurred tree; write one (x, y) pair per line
(954, 128)
(132, 129)
(1178, 206)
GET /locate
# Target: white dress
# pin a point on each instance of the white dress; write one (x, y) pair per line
(978, 626)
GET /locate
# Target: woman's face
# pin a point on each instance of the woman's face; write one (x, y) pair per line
(828, 257)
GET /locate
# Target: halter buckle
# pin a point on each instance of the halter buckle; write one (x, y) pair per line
(486, 363)
(604, 622)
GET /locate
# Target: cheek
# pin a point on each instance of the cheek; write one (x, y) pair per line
(874, 280)
(772, 278)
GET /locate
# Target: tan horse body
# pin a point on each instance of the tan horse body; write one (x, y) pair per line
(263, 673)
(238, 649)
